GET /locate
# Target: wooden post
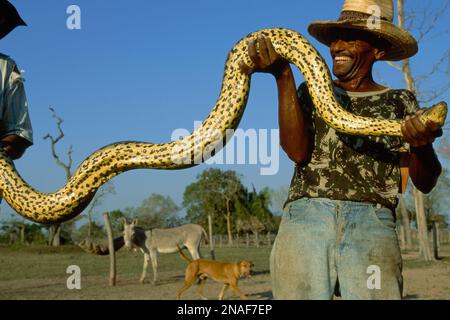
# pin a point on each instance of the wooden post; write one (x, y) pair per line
(22, 234)
(220, 241)
(248, 239)
(237, 240)
(112, 253)
(269, 239)
(435, 240)
(211, 240)
(257, 239)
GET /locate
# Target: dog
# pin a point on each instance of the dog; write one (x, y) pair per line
(223, 272)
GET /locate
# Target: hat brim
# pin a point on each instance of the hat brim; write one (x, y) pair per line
(403, 44)
(9, 19)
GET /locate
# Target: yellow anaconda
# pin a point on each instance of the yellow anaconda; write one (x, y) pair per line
(116, 158)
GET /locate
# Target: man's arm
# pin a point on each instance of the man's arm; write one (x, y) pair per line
(424, 166)
(294, 137)
(16, 134)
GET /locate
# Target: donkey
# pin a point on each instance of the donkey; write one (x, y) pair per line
(162, 240)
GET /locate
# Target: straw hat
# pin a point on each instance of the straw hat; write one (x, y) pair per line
(374, 16)
(9, 18)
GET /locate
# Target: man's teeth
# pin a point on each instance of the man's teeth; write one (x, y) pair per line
(342, 59)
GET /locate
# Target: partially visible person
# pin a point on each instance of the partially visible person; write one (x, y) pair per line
(16, 133)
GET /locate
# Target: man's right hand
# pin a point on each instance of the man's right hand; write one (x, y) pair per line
(265, 58)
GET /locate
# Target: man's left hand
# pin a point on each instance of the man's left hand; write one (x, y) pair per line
(418, 134)
(14, 145)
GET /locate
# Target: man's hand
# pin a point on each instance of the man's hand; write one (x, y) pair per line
(265, 58)
(424, 166)
(417, 134)
(14, 145)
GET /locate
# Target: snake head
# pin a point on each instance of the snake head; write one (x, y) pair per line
(437, 113)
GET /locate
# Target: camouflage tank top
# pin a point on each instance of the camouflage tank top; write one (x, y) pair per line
(354, 168)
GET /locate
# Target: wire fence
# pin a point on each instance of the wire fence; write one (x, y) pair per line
(267, 240)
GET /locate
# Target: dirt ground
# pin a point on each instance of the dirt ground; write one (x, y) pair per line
(40, 273)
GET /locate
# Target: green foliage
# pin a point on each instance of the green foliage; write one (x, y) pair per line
(210, 194)
(257, 205)
(11, 231)
(156, 211)
(116, 218)
(97, 232)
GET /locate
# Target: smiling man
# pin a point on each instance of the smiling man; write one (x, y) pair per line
(338, 230)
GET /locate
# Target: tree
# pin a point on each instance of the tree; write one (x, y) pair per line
(438, 201)
(96, 229)
(257, 214)
(214, 194)
(117, 221)
(422, 22)
(54, 231)
(20, 231)
(157, 211)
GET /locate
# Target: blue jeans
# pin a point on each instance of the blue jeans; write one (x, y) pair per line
(323, 242)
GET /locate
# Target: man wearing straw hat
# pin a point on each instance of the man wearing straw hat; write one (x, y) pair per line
(15, 127)
(338, 230)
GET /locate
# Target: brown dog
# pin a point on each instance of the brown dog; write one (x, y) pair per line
(224, 272)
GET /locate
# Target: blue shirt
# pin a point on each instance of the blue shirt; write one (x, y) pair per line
(14, 117)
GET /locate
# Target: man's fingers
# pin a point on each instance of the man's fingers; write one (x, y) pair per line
(273, 55)
(413, 136)
(252, 53)
(411, 129)
(419, 112)
(435, 128)
(422, 130)
(405, 133)
(263, 52)
(244, 67)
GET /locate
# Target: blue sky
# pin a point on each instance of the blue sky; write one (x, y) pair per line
(137, 70)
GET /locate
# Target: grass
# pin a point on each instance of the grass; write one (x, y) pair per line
(32, 260)
(39, 272)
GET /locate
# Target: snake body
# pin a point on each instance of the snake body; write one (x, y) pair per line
(117, 158)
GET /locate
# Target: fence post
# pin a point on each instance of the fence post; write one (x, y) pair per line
(435, 240)
(269, 239)
(211, 239)
(112, 253)
(220, 241)
(248, 239)
(257, 239)
(237, 239)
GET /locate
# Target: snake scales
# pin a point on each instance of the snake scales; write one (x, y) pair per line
(116, 158)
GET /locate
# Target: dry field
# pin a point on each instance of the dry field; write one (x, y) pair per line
(40, 273)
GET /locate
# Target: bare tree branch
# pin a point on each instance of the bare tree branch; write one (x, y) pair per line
(53, 141)
(423, 21)
(394, 65)
(436, 67)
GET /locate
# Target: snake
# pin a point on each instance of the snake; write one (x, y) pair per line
(203, 142)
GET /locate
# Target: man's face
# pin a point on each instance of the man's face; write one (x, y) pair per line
(353, 55)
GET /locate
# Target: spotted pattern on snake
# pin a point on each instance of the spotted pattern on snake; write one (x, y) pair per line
(107, 162)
